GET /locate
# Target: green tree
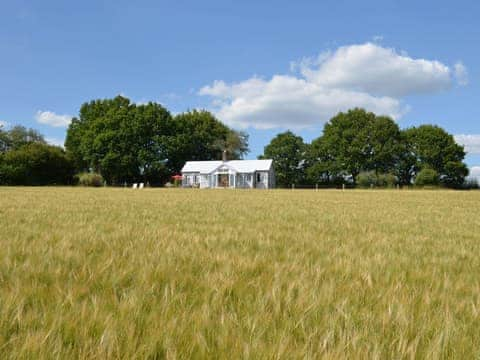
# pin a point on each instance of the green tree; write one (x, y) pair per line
(120, 140)
(128, 142)
(322, 167)
(35, 163)
(198, 135)
(347, 143)
(288, 152)
(352, 142)
(434, 148)
(384, 143)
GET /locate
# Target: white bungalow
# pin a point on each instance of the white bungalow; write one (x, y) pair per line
(243, 174)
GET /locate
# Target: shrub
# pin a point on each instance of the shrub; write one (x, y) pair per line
(35, 164)
(366, 179)
(369, 179)
(90, 179)
(386, 180)
(426, 177)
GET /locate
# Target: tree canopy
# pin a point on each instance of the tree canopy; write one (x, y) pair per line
(288, 152)
(352, 142)
(35, 163)
(126, 142)
(358, 141)
(436, 149)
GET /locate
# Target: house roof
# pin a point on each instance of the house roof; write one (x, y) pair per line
(241, 166)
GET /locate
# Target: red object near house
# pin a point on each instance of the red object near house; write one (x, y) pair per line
(177, 177)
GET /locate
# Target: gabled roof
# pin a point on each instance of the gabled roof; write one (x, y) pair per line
(203, 167)
(241, 166)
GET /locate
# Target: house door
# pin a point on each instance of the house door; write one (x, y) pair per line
(223, 180)
(261, 180)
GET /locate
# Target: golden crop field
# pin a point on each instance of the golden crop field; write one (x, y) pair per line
(171, 273)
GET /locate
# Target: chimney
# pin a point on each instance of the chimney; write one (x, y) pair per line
(224, 156)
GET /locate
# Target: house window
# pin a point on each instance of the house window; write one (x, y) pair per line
(259, 177)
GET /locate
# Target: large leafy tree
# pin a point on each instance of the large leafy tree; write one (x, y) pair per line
(128, 142)
(385, 145)
(346, 142)
(352, 142)
(432, 147)
(120, 140)
(322, 166)
(288, 152)
(198, 135)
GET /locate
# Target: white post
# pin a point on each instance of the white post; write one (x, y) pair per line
(316, 187)
(343, 187)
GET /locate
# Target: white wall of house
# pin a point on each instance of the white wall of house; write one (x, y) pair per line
(215, 174)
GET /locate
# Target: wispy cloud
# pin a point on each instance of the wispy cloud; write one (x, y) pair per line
(461, 73)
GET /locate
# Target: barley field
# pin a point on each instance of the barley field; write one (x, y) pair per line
(279, 274)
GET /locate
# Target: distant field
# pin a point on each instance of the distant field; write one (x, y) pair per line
(117, 273)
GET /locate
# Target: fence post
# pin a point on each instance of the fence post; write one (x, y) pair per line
(316, 187)
(293, 186)
(343, 187)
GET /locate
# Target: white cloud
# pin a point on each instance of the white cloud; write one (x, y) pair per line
(55, 141)
(367, 75)
(461, 73)
(287, 101)
(378, 70)
(471, 143)
(52, 119)
(3, 124)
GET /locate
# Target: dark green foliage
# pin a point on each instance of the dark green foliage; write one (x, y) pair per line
(427, 177)
(358, 141)
(288, 152)
(433, 147)
(353, 142)
(120, 140)
(35, 164)
(126, 142)
(198, 135)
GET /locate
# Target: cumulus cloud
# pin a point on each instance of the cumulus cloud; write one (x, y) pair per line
(461, 73)
(380, 71)
(366, 75)
(287, 101)
(471, 143)
(52, 119)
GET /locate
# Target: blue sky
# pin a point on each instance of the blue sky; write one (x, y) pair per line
(263, 66)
